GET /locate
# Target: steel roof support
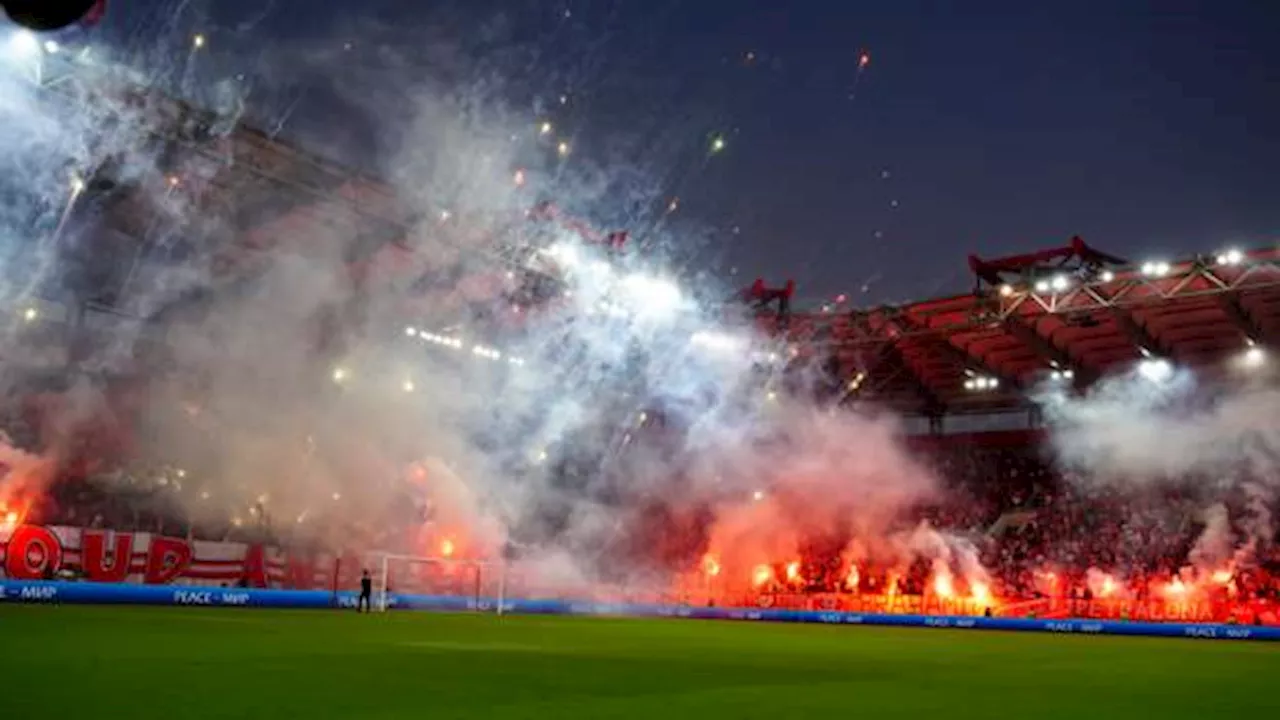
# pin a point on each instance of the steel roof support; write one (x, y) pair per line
(1141, 338)
(1240, 319)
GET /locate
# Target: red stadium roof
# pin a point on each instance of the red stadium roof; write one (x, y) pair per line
(1071, 310)
(982, 351)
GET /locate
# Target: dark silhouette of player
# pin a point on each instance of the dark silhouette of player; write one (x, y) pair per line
(365, 603)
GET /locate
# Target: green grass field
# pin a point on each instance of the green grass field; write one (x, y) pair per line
(176, 663)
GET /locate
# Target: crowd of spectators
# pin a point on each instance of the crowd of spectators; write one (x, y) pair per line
(1036, 530)
(1044, 531)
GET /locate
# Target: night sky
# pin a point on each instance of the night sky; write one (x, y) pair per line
(1151, 129)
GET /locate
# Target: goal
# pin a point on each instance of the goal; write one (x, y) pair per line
(479, 584)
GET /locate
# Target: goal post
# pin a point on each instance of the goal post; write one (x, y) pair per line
(477, 579)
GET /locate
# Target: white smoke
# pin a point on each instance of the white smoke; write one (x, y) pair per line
(1220, 441)
(397, 406)
(1136, 429)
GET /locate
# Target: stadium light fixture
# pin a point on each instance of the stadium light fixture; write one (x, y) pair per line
(1061, 282)
(978, 383)
(411, 331)
(1042, 286)
(1254, 356)
(717, 342)
(1230, 257)
(1106, 276)
(657, 294)
(1156, 269)
(1064, 374)
(1006, 290)
(23, 45)
(564, 253)
(1155, 369)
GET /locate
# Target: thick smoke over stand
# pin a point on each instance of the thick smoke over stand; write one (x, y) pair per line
(1158, 430)
(355, 384)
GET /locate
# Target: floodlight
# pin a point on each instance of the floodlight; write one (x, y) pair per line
(1155, 269)
(1231, 257)
(1155, 369)
(566, 254)
(23, 45)
(717, 341)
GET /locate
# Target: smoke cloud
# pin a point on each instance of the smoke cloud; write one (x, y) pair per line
(1216, 443)
(349, 369)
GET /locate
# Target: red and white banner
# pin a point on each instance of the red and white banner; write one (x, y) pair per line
(32, 552)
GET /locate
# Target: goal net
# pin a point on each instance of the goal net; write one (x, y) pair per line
(476, 585)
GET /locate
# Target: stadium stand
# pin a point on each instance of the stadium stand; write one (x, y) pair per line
(1072, 314)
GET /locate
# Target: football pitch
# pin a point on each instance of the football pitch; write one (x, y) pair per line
(131, 662)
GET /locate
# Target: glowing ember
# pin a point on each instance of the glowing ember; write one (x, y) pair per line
(711, 566)
(942, 586)
(981, 593)
(852, 579)
(761, 575)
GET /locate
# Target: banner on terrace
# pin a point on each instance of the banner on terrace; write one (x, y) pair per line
(33, 552)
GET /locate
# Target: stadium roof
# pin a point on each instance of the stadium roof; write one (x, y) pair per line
(981, 352)
(1074, 311)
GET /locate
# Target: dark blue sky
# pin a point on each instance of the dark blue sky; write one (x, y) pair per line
(1149, 128)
